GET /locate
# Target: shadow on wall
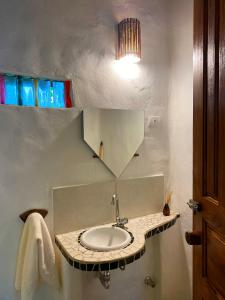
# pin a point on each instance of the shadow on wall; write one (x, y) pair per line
(128, 284)
(174, 265)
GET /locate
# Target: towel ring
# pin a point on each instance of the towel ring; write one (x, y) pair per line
(43, 212)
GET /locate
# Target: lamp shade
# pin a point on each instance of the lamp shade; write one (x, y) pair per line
(129, 40)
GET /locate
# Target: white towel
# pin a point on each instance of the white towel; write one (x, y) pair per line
(36, 258)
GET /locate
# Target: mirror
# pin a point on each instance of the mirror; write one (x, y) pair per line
(114, 135)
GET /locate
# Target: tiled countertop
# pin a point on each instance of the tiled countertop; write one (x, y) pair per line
(87, 260)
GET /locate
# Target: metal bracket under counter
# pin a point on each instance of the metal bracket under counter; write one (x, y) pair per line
(142, 228)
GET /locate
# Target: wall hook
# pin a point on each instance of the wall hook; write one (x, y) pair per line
(41, 211)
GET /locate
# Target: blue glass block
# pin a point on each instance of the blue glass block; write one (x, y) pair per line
(58, 94)
(45, 94)
(27, 92)
(11, 90)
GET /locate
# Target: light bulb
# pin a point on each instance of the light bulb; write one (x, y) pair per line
(126, 70)
(130, 58)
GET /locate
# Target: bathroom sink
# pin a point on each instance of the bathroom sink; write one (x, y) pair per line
(105, 238)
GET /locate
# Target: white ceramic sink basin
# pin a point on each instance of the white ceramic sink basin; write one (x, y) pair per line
(105, 238)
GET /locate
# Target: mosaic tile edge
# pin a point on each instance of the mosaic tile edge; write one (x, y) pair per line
(112, 264)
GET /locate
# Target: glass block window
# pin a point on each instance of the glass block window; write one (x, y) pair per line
(2, 90)
(44, 93)
(58, 91)
(25, 91)
(11, 90)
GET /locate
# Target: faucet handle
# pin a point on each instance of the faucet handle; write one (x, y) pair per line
(122, 221)
(125, 220)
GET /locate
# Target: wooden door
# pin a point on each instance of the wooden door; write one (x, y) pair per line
(209, 149)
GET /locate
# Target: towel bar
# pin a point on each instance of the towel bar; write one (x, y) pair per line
(41, 211)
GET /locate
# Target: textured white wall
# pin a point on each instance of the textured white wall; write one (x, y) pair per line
(43, 148)
(77, 40)
(180, 147)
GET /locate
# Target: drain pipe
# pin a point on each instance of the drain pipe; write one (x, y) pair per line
(105, 279)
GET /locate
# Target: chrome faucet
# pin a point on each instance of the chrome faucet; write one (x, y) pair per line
(120, 222)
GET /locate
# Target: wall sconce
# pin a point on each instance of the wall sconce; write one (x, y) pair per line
(129, 40)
